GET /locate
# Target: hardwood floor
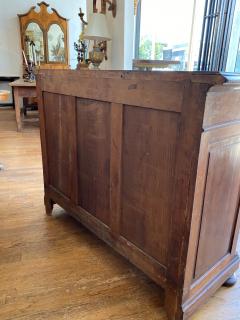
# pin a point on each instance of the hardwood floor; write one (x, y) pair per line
(53, 268)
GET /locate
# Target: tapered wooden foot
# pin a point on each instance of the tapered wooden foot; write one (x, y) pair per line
(231, 281)
(48, 205)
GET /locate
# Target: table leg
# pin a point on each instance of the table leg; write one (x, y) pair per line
(17, 109)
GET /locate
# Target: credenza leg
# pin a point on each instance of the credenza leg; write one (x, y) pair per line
(231, 281)
(173, 305)
(48, 205)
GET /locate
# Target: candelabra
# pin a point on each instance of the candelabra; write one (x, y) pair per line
(81, 48)
(30, 74)
(81, 45)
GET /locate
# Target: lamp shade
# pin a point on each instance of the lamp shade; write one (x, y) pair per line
(97, 28)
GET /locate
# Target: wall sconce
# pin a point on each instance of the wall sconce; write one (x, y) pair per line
(97, 30)
(112, 6)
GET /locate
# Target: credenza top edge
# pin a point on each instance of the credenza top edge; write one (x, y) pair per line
(197, 77)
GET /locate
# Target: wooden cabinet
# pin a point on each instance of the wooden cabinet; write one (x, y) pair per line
(150, 162)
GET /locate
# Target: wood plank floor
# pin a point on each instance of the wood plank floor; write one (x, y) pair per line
(53, 268)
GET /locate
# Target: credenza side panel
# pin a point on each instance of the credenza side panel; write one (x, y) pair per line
(220, 204)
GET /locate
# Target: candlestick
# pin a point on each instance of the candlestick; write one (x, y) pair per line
(35, 57)
(33, 54)
(25, 59)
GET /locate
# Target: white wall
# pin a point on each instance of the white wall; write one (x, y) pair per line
(129, 33)
(120, 48)
(199, 6)
(234, 41)
(10, 42)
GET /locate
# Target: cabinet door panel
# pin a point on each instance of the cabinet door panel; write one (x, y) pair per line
(220, 202)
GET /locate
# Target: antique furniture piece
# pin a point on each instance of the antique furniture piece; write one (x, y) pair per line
(4, 85)
(22, 89)
(149, 162)
(44, 37)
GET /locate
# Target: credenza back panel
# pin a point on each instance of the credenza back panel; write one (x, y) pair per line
(93, 157)
(60, 144)
(148, 178)
(149, 162)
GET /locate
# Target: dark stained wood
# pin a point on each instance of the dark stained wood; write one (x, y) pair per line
(148, 177)
(219, 212)
(123, 92)
(222, 106)
(116, 166)
(59, 116)
(93, 141)
(145, 183)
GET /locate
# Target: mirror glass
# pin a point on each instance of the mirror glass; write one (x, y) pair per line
(34, 33)
(56, 44)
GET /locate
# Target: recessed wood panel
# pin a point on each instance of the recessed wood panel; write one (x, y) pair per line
(60, 116)
(220, 206)
(149, 148)
(222, 106)
(93, 140)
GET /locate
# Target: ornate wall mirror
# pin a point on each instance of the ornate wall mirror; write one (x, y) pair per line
(56, 44)
(44, 37)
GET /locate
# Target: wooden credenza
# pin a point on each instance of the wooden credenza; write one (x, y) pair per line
(150, 162)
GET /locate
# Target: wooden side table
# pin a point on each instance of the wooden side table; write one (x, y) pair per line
(22, 89)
